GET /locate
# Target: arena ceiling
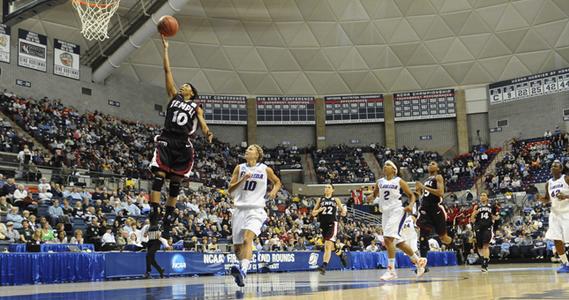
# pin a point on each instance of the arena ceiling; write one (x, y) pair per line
(323, 47)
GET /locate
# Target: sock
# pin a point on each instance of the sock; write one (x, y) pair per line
(169, 218)
(344, 260)
(563, 258)
(154, 213)
(324, 265)
(245, 265)
(423, 246)
(391, 263)
(414, 258)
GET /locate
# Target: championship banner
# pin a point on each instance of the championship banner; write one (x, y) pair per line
(4, 43)
(529, 86)
(128, 264)
(32, 50)
(354, 109)
(283, 110)
(229, 110)
(436, 104)
(66, 59)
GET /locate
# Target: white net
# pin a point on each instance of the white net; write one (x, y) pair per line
(95, 16)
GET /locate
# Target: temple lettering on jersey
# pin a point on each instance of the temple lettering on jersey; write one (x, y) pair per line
(181, 118)
(185, 106)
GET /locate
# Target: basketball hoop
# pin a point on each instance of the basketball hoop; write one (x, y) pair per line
(95, 16)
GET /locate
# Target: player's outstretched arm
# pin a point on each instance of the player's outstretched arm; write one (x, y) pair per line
(410, 195)
(343, 209)
(235, 181)
(276, 183)
(544, 199)
(474, 214)
(203, 125)
(317, 209)
(375, 192)
(170, 84)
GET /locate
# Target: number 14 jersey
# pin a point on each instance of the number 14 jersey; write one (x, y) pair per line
(251, 193)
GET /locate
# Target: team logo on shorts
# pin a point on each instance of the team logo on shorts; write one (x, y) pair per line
(313, 260)
(178, 263)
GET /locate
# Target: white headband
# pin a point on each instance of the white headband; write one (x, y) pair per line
(391, 164)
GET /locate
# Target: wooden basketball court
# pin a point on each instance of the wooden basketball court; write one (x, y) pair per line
(521, 281)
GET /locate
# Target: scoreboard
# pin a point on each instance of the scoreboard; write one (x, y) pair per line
(530, 86)
(436, 104)
(282, 110)
(230, 110)
(354, 109)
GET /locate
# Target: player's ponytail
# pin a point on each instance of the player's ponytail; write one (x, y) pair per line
(194, 91)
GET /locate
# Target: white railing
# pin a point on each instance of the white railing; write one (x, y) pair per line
(362, 216)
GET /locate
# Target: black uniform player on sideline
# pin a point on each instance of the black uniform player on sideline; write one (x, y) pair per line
(155, 240)
(327, 209)
(174, 155)
(432, 215)
(483, 217)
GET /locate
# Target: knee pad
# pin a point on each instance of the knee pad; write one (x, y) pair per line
(175, 188)
(157, 183)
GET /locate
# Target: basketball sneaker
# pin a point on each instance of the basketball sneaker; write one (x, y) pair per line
(426, 270)
(421, 265)
(564, 269)
(484, 269)
(390, 274)
(239, 276)
(321, 270)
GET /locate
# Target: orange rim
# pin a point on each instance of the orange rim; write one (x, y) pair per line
(86, 3)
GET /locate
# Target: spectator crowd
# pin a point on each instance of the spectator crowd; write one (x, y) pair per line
(528, 161)
(114, 219)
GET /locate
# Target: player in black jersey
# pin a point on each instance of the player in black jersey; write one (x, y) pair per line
(432, 215)
(174, 155)
(483, 217)
(327, 209)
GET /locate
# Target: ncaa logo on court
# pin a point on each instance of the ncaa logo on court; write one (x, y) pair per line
(313, 260)
(178, 263)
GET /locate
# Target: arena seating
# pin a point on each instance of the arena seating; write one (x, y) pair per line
(204, 217)
(528, 163)
(82, 141)
(342, 164)
(459, 172)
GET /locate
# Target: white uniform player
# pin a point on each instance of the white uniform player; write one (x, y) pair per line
(559, 216)
(390, 201)
(248, 187)
(388, 190)
(249, 201)
(409, 232)
(557, 192)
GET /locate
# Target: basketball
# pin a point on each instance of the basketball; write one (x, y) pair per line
(168, 26)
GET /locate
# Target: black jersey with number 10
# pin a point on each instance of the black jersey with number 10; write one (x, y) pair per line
(181, 118)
